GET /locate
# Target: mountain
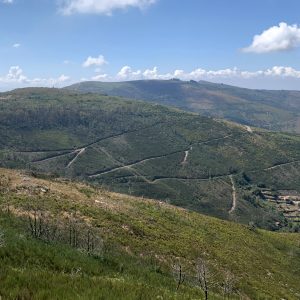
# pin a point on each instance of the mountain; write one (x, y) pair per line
(65, 240)
(215, 167)
(272, 110)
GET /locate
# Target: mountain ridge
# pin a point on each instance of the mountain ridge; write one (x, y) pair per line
(269, 109)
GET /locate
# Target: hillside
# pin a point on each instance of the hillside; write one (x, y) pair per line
(214, 167)
(66, 240)
(273, 110)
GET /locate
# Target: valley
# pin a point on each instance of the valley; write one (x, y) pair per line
(150, 150)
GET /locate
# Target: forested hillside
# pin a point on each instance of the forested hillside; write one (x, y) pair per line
(272, 110)
(214, 167)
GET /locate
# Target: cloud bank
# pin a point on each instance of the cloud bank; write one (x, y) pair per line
(105, 7)
(127, 73)
(277, 77)
(277, 38)
(16, 77)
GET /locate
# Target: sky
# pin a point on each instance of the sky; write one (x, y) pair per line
(248, 43)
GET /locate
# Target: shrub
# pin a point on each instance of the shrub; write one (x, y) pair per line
(252, 226)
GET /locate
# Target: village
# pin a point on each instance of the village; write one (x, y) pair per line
(287, 202)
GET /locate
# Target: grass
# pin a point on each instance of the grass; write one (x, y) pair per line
(143, 239)
(32, 269)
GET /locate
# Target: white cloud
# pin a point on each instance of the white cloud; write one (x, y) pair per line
(7, 1)
(63, 78)
(94, 61)
(277, 38)
(105, 7)
(127, 73)
(15, 74)
(16, 77)
(100, 77)
(16, 45)
(283, 72)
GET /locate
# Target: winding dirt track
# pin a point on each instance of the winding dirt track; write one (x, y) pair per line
(282, 165)
(186, 155)
(107, 171)
(249, 129)
(52, 157)
(79, 152)
(73, 150)
(234, 198)
(69, 151)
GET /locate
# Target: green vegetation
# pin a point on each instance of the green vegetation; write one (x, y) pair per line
(273, 110)
(148, 150)
(140, 243)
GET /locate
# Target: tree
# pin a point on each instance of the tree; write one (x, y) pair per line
(73, 231)
(4, 190)
(228, 285)
(204, 277)
(36, 224)
(40, 227)
(1, 239)
(93, 242)
(179, 275)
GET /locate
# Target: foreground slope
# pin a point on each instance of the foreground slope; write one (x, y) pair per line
(130, 247)
(273, 110)
(149, 150)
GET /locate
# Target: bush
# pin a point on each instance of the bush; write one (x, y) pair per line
(261, 185)
(252, 226)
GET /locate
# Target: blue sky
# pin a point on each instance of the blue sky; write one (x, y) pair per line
(58, 42)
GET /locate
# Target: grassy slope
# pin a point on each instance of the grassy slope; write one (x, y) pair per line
(142, 237)
(275, 110)
(78, 136)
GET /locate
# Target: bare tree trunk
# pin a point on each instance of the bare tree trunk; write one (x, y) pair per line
(2, 242)
(204, 277)
(179, 275)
